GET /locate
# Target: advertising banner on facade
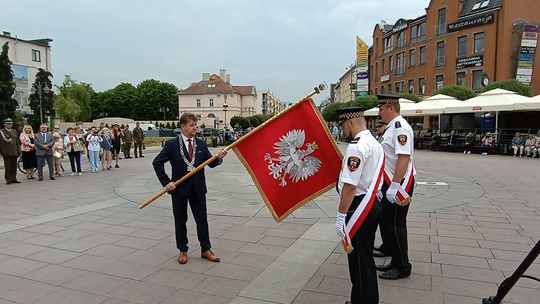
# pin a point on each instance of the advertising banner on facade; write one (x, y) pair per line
(473, 61)
(362, 71)
(525, 64)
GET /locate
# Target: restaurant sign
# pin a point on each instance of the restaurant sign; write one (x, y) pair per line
(471, 22)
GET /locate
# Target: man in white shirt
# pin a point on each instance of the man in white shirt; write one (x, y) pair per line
(398, 145)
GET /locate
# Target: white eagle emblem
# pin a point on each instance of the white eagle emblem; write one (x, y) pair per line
(292, 160)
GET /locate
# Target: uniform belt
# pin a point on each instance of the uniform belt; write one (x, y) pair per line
(356, 201)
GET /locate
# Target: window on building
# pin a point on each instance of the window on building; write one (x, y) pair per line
(389, 88)
(418, 32)
(211, 102)
(390, 64)
(382, 89)
(388, 44)
(479, 42)
(460, 78)
(480, 4)
(376, 71)
(382, 67)
(412, 55)
(462, 46)
(198, 103)
(422, 55)
(400, 63)
(399, 87)
(439, 59)
(401, 39)
(421, 86)
(439, 81)
(411, 86)
(375, 47)
(477, 80)
(36, 55)
(441, 25)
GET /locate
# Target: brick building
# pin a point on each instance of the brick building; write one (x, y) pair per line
(465, 42)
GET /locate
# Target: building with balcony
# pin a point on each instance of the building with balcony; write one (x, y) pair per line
(268, 103)
(345, 89)
(465, 42)
(27, 57)
(214, 100)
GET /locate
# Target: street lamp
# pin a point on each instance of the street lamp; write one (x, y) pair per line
(40, 90)
(164, 110)
(225, 106)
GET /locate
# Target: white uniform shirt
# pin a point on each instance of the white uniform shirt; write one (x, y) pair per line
(360, 162)
(398, 138)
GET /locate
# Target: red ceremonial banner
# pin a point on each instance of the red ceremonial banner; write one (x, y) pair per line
(292, 159)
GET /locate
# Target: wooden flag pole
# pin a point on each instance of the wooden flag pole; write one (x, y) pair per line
(315, 91)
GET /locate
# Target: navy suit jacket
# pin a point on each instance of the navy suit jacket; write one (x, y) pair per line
(171, 153)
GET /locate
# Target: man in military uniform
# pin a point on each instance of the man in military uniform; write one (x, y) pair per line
(359, 180)
(10, 148)
(397, 142)
(138, 138)
(127, 138)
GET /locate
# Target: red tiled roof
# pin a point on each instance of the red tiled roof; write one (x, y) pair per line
(215, 85)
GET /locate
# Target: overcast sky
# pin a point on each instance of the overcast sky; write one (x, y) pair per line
(287, 46)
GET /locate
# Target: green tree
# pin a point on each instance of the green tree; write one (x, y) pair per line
(67, 108)
(329, 112)
(81, 93)
(410, 96)
(168, 125)
(459, 92)
(367, 102)
(116, 102)
(8, 105)
(510, 85)
(241, 121)
(153, 96)
(43, 81)
(254, 121)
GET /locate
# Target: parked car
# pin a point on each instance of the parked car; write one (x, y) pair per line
(208, 131)
(177, 131)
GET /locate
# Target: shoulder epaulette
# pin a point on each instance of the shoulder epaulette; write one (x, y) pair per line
(354, 141)
(398, 124)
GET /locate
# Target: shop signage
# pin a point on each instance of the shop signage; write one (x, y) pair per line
(471, 22)
(525, 62)
(473, 61)
(385, 77)
(400, 26)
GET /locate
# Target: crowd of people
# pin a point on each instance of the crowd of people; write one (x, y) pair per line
(100, 145)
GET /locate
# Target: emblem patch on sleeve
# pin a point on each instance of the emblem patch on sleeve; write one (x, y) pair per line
(402, 139)
(353, 163)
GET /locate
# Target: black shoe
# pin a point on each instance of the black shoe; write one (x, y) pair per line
(136, 156)
(379, 254)
(52, 178)
(394, 274)
(347, 302)
(141, 156)
(15, 182)
(384, 267)
(40, 179)
(116, 166)
(8, 182)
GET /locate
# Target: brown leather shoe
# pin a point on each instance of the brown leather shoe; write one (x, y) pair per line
(209, 255)
(182, 257)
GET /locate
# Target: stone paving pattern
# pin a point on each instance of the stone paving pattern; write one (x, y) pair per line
(83, 239)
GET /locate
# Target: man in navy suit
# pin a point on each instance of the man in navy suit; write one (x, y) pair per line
(185, 153)
(44, 151)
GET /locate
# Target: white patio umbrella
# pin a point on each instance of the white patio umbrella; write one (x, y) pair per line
(403, 102)
(432, 106)
(531, 104)
(496, 100)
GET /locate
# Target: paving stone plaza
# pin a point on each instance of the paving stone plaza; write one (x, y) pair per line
(83, 239)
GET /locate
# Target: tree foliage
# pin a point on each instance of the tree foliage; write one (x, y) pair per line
(67, 108)
(510, 85)
(116, 102)
(240, 121)
(410, 96)
(154, 95)
(459, 92)
(79, 93)
(8, 105)
(43, 81)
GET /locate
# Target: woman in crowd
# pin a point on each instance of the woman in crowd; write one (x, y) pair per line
(82, 141)
(94, 139)
(58, 153)
(487, 142)
(116, 142)
(73, 147)
(106, 145)
(469, 141)
(28, 151)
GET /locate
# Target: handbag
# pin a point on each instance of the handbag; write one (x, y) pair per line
(57, 154)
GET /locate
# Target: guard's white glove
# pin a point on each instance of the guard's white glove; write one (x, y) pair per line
(340, 222)
(379, 195)
(392, 191)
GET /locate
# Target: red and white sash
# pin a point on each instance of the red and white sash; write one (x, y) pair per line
(363, 209)
(403, 197)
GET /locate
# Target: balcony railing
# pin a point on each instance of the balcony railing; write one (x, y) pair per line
(440, 29)
(439, 61)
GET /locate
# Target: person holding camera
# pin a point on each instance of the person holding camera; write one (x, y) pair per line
(94, 139)
(487, 142)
